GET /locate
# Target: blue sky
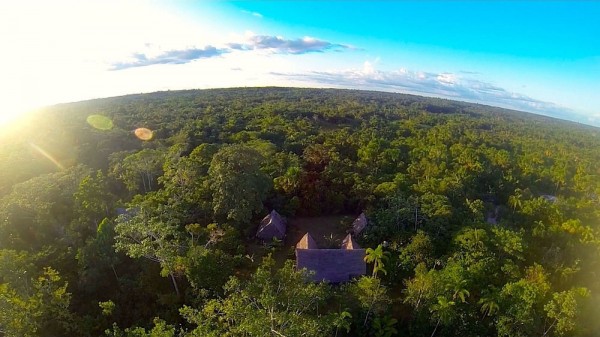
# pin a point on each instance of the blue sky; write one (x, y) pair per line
(542, 57)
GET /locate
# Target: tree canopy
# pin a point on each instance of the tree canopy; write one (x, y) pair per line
(482, 221)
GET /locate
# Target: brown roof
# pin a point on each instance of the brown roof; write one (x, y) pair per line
(359, 224)
(271, 226)
(349, 243)
(332, 265)
(307, 242)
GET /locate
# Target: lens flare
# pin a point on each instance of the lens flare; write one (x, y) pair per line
(100, 122)
(143, 133)
(47, 155)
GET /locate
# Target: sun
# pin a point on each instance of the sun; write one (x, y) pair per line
(11, 115)
(6, 118)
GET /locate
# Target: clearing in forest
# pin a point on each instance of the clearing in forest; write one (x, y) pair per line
(328, 231)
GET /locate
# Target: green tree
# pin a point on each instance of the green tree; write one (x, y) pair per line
(160, 329)
(271, 303)
(371, 296)
(93, 203)
(43, 308)
(563, 310)
(521, 304)
(418, 250)
(239, 186)
(378, 257)
(97, 259)
(139, 171)
(151, 234)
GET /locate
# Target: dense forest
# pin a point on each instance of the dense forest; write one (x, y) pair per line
(134, 216)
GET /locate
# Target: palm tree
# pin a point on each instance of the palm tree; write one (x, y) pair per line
(515, 200)
(444, 310)
(377, 256)
(488, 306)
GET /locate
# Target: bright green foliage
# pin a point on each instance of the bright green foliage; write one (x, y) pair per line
(563, 310)
(370, 294)
(489, 303)
(272, 303)
(107, 307)
(160, 329)
(41, 308)
(510, 244)
(421, 288)
(522, 303)
(443, 310)
(16, 267)
(418, 250)
(378, 257)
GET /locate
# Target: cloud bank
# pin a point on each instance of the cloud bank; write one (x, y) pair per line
(269, 43)
(456, 86)
(280, 45)
(170, 57)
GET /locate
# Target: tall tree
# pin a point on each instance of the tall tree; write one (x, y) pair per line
(271, 303)
(152, 234)
(238, 184)
(41, 309)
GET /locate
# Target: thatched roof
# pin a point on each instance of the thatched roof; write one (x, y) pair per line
(331, 265)
(271, 226)
(349, 243)
(359, 224)
(307, 242)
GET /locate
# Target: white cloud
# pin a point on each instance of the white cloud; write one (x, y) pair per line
(170, 57)
(445, 85)
(281, 45)
(255, 14)
(368, 68)
(447, 78)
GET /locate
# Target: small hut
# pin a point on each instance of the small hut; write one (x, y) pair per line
(307, 242)
(550, 198)
(349, 243)
(359, 224)
(271, 226)
(331, 265)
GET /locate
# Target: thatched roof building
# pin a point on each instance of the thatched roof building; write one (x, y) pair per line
(307, 242)
(331, 265)
(349, 243)
(359, 224)
(271, 226)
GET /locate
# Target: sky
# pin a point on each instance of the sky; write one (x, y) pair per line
(540, 56)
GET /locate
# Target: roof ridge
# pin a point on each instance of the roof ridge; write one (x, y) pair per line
(307, 242)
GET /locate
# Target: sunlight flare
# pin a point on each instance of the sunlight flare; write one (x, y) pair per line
(47, 155)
